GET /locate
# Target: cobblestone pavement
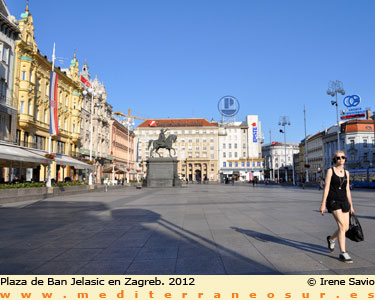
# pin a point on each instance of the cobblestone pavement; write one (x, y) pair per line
(196, 229)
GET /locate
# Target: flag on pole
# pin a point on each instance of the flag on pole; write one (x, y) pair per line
(53, 124)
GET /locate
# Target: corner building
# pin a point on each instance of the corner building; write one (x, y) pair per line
(196, 146)
(31, 89)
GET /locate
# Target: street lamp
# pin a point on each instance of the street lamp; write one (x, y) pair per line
(128, 125)
(284, 120)
(335, 87)
(91, 90)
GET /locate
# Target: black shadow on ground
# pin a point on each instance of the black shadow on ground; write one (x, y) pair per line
(308, 247)
(66, 237)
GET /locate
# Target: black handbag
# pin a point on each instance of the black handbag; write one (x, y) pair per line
(355, 232)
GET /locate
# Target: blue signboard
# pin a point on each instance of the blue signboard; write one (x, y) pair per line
(228, 106)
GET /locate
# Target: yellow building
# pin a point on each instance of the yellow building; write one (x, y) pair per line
(31, 89)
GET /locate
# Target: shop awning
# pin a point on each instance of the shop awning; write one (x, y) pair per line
(64, 160)
(115, 169)
(17, 157)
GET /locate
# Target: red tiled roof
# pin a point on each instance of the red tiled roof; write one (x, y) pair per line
(180, 123)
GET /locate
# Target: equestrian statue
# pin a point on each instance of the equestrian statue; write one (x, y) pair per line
(163, 142)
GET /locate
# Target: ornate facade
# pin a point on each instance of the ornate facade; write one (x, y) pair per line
(96, 100)
(31, 89)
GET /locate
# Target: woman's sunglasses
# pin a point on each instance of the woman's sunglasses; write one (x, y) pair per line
(340, 157)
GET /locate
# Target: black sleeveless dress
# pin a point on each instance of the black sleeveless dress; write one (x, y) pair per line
(337, 197)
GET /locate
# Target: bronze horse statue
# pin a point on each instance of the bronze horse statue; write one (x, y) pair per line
(167, 144)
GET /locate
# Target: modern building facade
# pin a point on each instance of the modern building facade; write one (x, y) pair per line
(196, 146)
(8, 105)
(240, 151)
(31, 90)
(95, 103)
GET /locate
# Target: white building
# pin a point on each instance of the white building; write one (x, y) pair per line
(101, 117)
(240, 152)
(274, 155)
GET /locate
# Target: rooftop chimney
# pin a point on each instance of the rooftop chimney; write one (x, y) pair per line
(368, 114)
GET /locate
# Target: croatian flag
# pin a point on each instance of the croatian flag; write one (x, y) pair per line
(53, 125)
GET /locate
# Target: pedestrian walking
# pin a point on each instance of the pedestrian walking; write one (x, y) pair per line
(338, 201)
(232, 180)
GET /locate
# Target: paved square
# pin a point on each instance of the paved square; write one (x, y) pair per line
(196, 229)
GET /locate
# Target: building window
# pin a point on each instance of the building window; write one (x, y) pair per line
(74, 128)
(39, 142)
(365, 156)
(197, 140)
(224, 164)
(23, 75)
(190, 140)
(235, 154)
(365, 143)
(351, 143)
(190, 155)
(248, 164)
(204, 147)
(21, 107)
(29, 108)
(197, 148)
(31, 76)
(244, 154)
(196, 155)
(211, 140)
(211, 147)
(224, 155)
(60, 147)
(224, 146)
(258, 164)
(212, 156)
(236, 164)
(229, 146)
(244, 146)
(204, 140)
(235, 146)
(242, 164)
(230, 154)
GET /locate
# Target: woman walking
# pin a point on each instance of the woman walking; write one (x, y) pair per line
(338, 200)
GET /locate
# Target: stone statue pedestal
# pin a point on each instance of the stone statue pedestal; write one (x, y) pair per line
(162, 172)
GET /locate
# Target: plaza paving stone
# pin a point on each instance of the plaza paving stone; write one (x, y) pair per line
(196, 229)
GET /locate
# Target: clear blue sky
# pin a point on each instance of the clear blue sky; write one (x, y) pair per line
(177, 58)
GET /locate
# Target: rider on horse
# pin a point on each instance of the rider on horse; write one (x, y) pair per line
(161, 139)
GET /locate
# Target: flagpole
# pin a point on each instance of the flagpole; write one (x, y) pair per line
(49, 137)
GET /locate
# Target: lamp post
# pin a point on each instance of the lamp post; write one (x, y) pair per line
(93, 93)
(306, 150)
(284, 120)
(335, 87)
(128, 125)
